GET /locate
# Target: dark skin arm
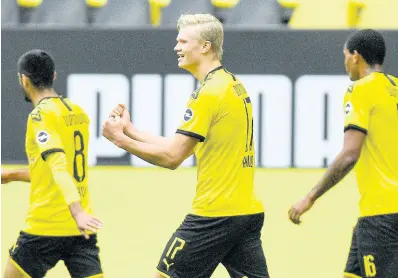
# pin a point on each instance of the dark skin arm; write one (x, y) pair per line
(341, 166)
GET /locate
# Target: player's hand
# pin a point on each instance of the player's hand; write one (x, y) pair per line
(86, 222)
(298, 209)
(117, 111)
(112, 129)
(121, 111)
(5, 176)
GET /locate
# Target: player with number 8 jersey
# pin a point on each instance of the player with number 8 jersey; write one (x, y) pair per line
(59, 222)
(56, 125)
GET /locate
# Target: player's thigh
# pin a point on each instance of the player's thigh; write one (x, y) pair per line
(378, 246)
(14, 271)
(81, 257)
(34, 255)
(197, 247)
(353, 264)
(246, 258)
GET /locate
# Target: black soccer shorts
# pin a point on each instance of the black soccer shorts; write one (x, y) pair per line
(374, 248)
(35, 255)
(201, 243)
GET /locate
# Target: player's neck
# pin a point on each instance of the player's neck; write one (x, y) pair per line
(37, 96)
(370, 69)
(204, 68)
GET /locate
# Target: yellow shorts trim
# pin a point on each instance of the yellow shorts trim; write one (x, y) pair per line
(20, 268)
(351, 275)
(97, 276)
(164, 274)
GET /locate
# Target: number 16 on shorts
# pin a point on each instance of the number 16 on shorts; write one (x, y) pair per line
(176, 246)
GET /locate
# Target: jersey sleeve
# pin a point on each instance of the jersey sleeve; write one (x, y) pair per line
(199, 115)
(44, 128)
(357, 109)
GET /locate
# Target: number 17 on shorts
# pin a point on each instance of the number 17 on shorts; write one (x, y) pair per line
(176, 246)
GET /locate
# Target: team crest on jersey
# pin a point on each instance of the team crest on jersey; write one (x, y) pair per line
(348, 108)
(188, 114)
(42, 137)
(35, 115)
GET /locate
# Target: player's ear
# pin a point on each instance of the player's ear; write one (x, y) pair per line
(19, 78)
(206, 47)
(355, 57)
(55, 75)
(25, 80)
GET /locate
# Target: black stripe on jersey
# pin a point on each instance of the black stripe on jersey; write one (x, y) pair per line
(251, 140)
(50, 151)
(248, 100)
(64, 102)
(45, 99)
(233, 76)
(389, 78)
(356, 128)
(212, 71)
(191, 134)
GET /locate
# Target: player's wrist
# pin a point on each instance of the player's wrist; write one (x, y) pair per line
(312, 197)
(121, 141)
(75, 209)
(130, 130)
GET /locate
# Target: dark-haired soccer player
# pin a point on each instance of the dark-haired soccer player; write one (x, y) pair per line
(370, 143)
(59, 224)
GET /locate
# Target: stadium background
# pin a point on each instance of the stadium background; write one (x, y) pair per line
(288, 53)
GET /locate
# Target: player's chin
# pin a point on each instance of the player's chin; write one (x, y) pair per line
(182, 65)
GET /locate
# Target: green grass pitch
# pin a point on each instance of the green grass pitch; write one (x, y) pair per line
(142, 207)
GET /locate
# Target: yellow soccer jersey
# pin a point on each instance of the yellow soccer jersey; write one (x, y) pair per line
(219, 114)
(56, 125)
(370, 105)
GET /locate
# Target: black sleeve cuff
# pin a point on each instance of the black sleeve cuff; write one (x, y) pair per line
(191, 134)
(50, 151)
(356, 128)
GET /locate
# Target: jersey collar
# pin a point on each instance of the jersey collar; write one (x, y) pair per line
(47, 98)
(212, 71)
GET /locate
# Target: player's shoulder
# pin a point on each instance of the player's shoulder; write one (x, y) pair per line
(362, 85)
(218, 82)
(76, 108)
(394, 78)
(45, 108)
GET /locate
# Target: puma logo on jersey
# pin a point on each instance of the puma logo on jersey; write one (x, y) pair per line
(42, 137)
(195, 94)
(167, 264)
(35, 115)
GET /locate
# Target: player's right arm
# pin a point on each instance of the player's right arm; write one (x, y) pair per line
(52, 152)
(9, 175)
(131, 131)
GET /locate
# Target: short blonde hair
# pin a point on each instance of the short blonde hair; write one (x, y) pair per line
(211, 29)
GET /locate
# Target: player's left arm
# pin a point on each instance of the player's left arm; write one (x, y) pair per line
(167, 156)
(193, 129)
(357, 108)
(9, 175)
